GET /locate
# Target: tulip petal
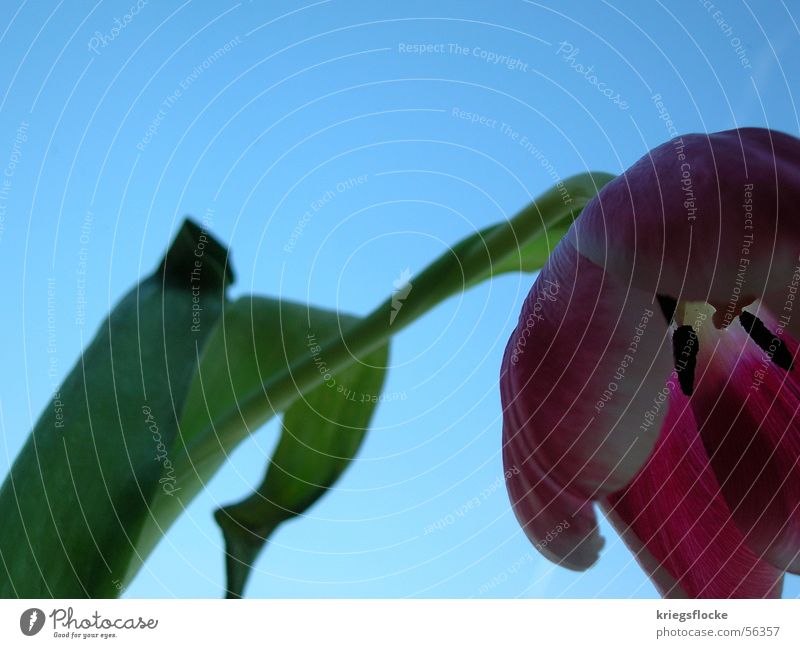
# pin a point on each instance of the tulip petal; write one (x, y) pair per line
(747, 409)
(675, 519)
(579, 373)
(561, 525)
(704, 217)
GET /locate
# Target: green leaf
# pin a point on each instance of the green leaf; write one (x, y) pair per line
(78, 494)
(321, 434)
(258, 338)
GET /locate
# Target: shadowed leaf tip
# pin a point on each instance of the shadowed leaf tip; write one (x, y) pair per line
(196, 259)
(242, 547)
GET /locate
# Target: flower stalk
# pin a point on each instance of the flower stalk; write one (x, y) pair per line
(465, 264)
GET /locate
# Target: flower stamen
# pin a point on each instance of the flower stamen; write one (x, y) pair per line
(668, 305)
(775, 348)
(685, 346)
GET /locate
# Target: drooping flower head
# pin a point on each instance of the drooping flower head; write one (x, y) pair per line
(652, 371)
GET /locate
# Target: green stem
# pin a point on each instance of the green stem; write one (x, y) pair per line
(467, 263)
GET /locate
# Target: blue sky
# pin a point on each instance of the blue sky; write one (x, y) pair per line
(113, 134)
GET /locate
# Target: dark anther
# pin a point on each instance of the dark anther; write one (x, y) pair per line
(668, 306)
(775, 347)
(685, 346)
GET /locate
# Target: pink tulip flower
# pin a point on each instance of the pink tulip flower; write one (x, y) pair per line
(652, 372)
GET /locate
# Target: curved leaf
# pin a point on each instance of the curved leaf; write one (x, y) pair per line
(78, 494)
(256, 338)
(321, 434)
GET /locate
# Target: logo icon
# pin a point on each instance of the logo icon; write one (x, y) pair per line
(31, 621)
(402, 288)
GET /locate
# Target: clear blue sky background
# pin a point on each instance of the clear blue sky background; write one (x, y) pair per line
(309, 95)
